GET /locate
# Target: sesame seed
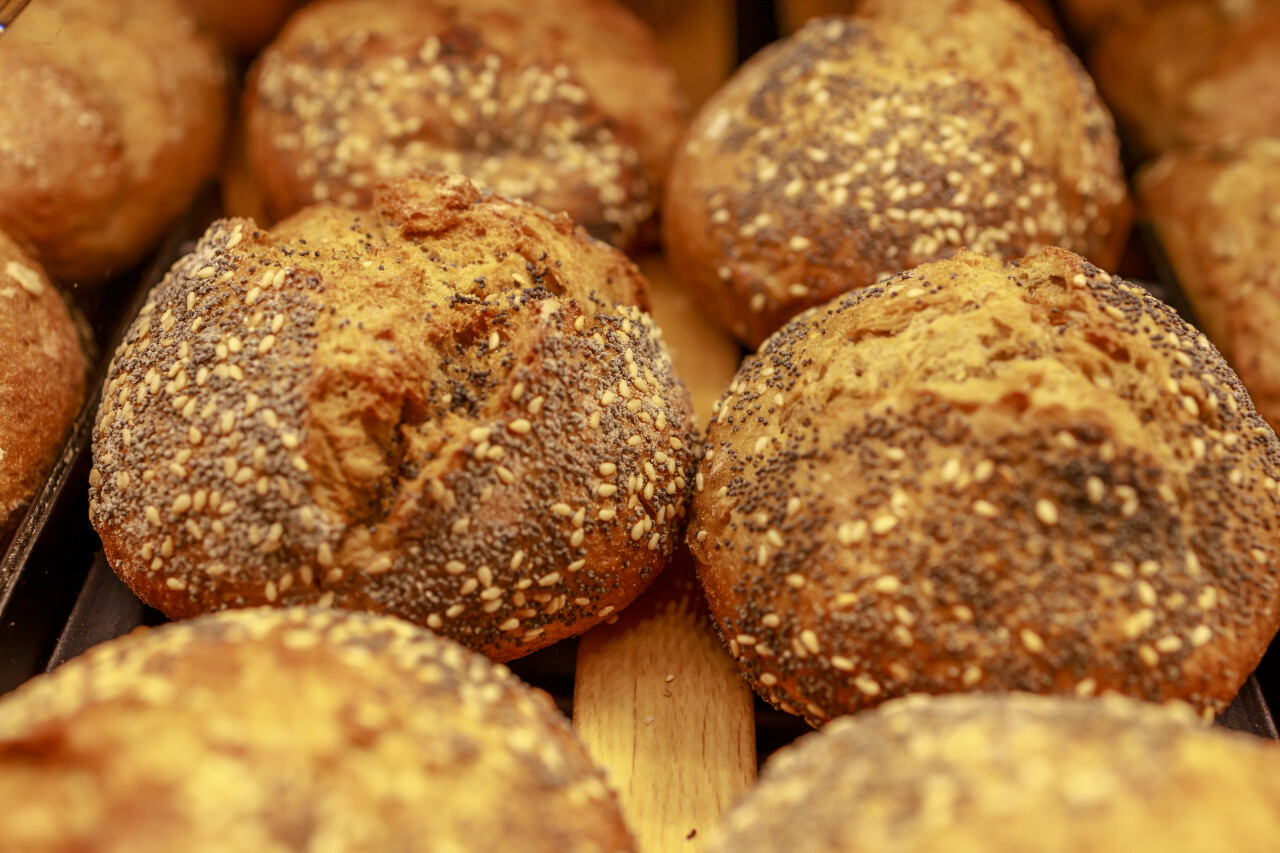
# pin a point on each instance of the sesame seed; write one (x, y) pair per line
(519, 426)
(1046, 512)
(884, 523)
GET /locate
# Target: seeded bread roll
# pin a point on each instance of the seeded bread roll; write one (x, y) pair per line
(561, 102)
(863, 146)
(112, 117)
(294, 730)
(1218, 218)
(1013, 772)
(455, 410)
(980, 476)
(42, 378)
(1192, 72)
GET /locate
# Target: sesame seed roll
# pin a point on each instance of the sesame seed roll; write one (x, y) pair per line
(455, 410)
(1013, 772)
(565, 103)
(294, 730)
(865, 145)
(985, 476)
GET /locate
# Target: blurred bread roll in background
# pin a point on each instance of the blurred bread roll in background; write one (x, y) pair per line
(113, 116)
(1192, 72)
(865, 145)
(1217, 215)
(42, 379)
(565, 103)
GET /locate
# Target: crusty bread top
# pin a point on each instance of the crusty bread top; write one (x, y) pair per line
(981, 476)
(451, 409)
(865, 145)
(113, 114)
(1218, 217)
(564, 103)
(1013, 772)
(297, 730)
(42, 379)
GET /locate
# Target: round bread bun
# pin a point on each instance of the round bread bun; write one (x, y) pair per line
(1012, 772)
(1192, 73)
(564, 103)
(243, 26)
(979, 476)
(866, 145)
(294, 730)
(454, 410)
(1215, 214)
(42, 379)
(112, 117)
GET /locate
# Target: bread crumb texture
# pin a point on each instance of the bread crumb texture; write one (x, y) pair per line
(1012, 772)
(294, 730)
(565, 104)
(450, 410)
(977, 476)
(865, 145)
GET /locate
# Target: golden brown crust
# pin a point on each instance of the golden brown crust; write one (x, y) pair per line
(862, 146)
(42, 378)
(563, 103)
(985, 774)
(450, 411)
(112, 117)
(294, 730)
(1192, 72)
(1218, 218)
(985, 477)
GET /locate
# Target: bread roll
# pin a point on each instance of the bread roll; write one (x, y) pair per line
(294, 730)
(1013, 773)
(42, 379)
(561, 102)
(454, 410)
(984, 476)
(112, 117)
(863, 146)
(1192, 72)
(1217, 216)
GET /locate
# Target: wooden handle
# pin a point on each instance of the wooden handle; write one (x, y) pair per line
(657, 699)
